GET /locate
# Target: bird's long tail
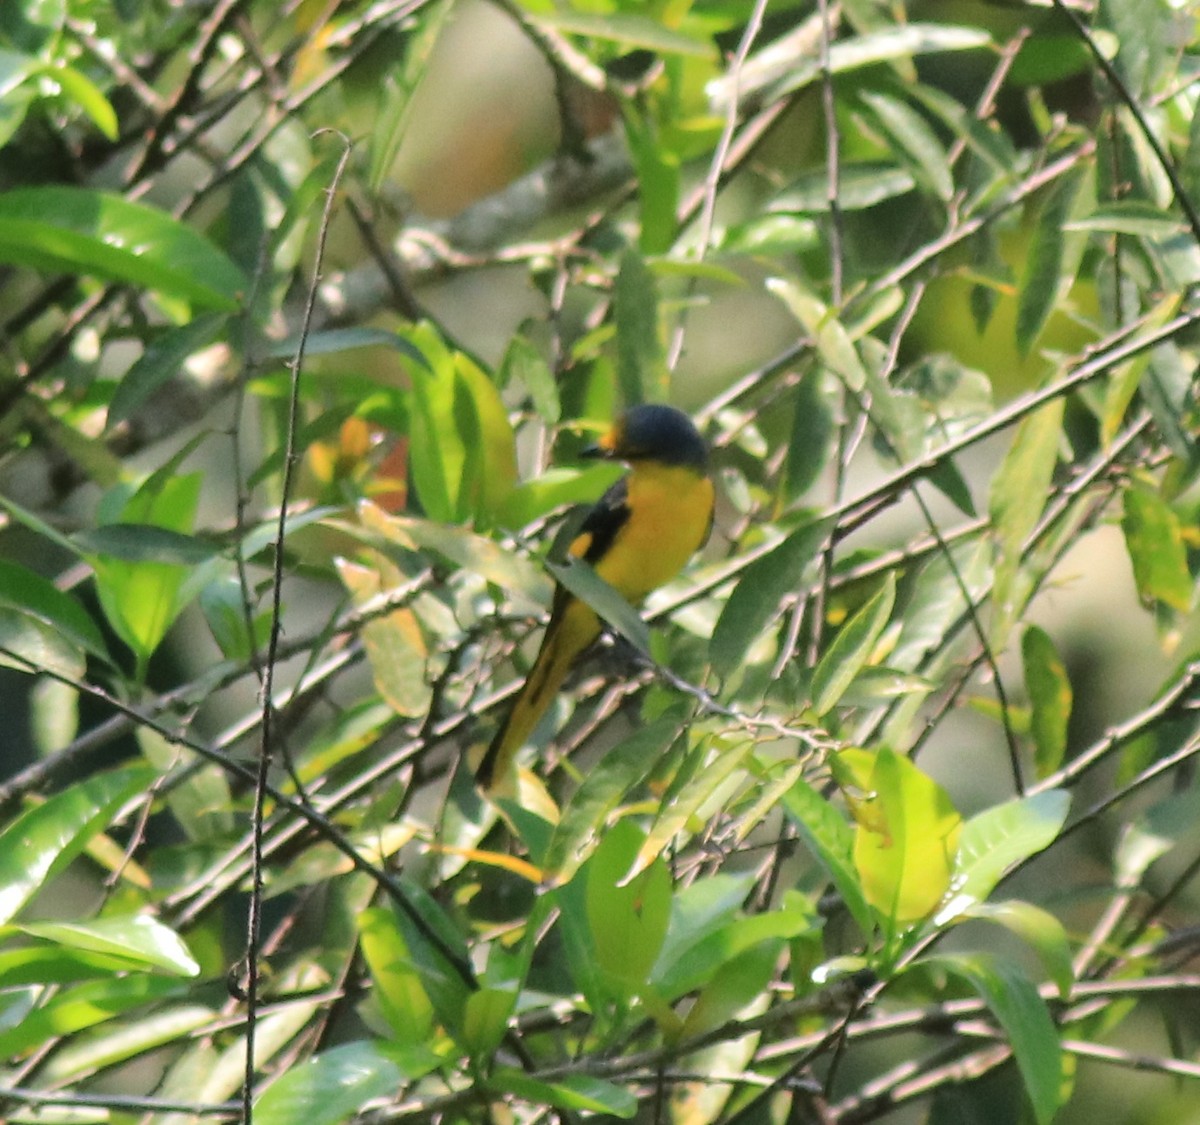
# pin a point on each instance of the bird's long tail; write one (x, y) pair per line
(575, 629)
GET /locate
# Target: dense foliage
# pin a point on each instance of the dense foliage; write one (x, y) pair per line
(887, 813)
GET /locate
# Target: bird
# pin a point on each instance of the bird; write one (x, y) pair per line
(638, 536)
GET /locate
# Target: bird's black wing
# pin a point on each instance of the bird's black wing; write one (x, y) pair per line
(600, 526)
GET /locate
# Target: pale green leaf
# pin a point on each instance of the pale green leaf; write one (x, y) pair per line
(852, 648)
(1049, 696)
(998, 839)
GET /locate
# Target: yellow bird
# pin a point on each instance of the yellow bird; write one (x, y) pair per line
(638, 536)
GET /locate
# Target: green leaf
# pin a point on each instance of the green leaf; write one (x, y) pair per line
(161, 361)
(57, 964)
(999, 838)
(333, 1086)
(904, 848)
(1047, 275)
(31, 646)
(852, 648)
(1049, 695)
(756, 601)
(698, 910)
(76, 230)
(1155, 832)
(738, 980)
(657, 170)
(398, 536)
(485, 1021)
(861, 184)
(1154, 539)
(442, 981)
(811, 436)
(146, 569)
(690, 790)
(581, 580)
(462, 452)
(80, 89)
(167, 1024)
(627, 919)
(395, 642)
(635, 307)
(523, 362)
(1019, 493)
(1135, 217)
(627, 29)
(830, 337)
(82, 1006)
(1041, 930)
(141, 940)
(397, 985)
(1141, 34)
(1015, 1003)
(705, 956)
(31, 595)
(831, 840)
(911, 133)
(604, 786)
(40, 842)
(894, 44)
(334, 341)
(573, 1092)
(393, 116)
(143, 543)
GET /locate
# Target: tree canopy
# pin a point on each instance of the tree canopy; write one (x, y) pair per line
(883, 811)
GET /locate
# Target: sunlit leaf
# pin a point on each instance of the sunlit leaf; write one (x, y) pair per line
(395, 642)
(628, 920)
(333, 1086)
(603, 787)
(905, 856)
(890, 44)
(79, 88)
(397, 985)
(61, 229)
(999, 838)
(40, 842)
(141, 940)
(82, 1006)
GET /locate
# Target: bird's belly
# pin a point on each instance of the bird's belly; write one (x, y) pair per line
(671, 510)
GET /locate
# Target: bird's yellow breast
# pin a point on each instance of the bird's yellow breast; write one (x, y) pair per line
(670, 512)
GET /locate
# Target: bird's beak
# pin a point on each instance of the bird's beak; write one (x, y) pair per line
(604, 449)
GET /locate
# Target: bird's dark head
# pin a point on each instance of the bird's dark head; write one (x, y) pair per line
(653, 432)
